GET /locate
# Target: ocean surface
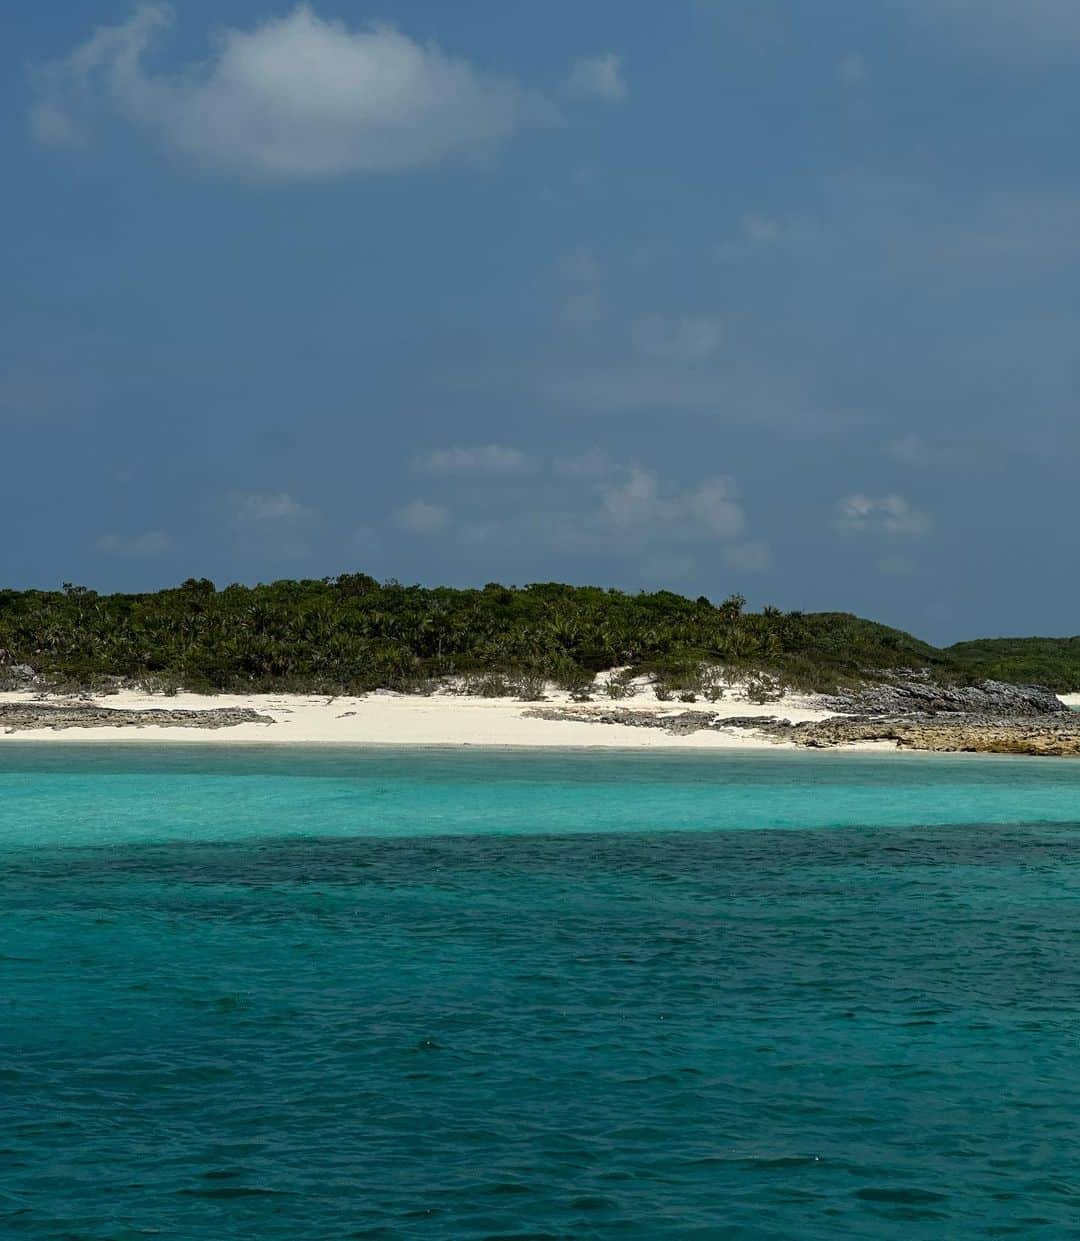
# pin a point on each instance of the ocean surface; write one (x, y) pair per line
(327, 994)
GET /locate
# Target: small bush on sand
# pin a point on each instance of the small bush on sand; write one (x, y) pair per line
(620, 684)
(762, 687)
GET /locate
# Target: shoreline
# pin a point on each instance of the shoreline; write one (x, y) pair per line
(443, 720)
(800, 753)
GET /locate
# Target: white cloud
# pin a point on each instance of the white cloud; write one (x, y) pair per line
(856, 510)
(891, 514)
(598, 77)
(637, 501)
(421, 517)
(257, 508)
(297, 96)
(487, 459)
(900, 518)
(271, 524)
(149, 544)
(714, 506)
(683, 340)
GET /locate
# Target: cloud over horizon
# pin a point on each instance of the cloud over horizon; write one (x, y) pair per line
(637, 500)
(296, 96)
(495, 292)
(892, 514)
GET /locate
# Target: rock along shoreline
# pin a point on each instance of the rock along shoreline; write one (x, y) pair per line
(991, 718)
(24, 717)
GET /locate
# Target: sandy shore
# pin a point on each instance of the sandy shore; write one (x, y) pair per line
(443, 719)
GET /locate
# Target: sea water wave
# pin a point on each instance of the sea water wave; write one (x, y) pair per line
(295, 996)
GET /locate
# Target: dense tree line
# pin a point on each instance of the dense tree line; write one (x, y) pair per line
(352, 633)
(1036, 661)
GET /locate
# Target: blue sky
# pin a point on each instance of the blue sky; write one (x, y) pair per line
(716, 295)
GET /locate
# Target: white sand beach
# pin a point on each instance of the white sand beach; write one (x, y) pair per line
(443, 718)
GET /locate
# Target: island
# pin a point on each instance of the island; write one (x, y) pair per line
(352, 660)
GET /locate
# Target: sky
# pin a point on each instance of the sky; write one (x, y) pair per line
(712, 296)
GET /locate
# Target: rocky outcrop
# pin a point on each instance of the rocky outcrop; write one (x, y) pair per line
(1051, 733)
(16, 677)
(682, 723)
(918, 695)
(18, 717)
(1047, 736)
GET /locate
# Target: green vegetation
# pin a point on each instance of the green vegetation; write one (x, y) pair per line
(1054, 662)
(351, 634)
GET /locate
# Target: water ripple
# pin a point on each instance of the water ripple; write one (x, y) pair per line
(809, 1034)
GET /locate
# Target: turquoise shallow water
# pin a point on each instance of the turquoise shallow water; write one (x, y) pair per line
(422, 994)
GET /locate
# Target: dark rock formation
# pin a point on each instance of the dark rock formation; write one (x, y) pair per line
(684, 722)
(16, 676)
(17, 717)
(917, 695)
(1046, 733)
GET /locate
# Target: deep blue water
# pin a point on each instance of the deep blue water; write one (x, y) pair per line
(426, 995)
